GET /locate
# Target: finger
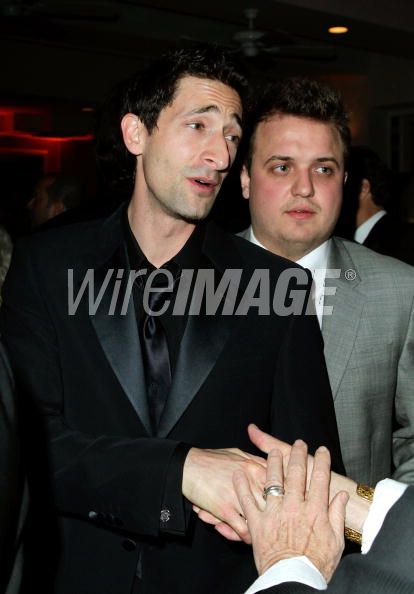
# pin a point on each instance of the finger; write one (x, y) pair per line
(337, 513)
(266, 442)
(258, 459)
(228, 532)
(295, 481)
(274, 475)
(208, 518)
(256, 475)
(320, 478)
(245, 496)
(196, 509)
(239, 525)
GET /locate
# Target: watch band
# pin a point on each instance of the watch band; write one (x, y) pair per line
(367, 493)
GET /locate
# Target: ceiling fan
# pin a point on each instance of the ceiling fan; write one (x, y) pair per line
(254, 42)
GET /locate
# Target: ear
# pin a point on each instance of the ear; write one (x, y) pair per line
(57, 208)
(133, 133)
(365, 188)
(245, 182)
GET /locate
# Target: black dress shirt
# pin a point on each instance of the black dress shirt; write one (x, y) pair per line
(175, 511)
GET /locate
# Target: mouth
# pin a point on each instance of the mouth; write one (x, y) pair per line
(300, 214)
(203, 184)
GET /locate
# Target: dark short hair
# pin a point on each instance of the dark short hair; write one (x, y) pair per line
(148, 92)
(300, 97)
(64, 188)
(364, 163)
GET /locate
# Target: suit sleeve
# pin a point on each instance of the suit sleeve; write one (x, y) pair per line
(403, 437)
(303, 406)
(116, 482)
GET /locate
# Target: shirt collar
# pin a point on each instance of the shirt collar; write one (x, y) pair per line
(317, 259)
(364, 230)
(189, 257)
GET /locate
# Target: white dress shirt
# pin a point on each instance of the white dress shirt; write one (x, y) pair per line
(317, 262)
(301, 570)
(364, 230)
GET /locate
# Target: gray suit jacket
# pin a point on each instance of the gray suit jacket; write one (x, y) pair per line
(369, 352)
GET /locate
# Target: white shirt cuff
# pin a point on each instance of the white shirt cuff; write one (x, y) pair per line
(296, 569)
(387, 492)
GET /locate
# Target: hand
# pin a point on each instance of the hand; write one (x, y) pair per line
(208, 484)
(357, 508)
(300, 522)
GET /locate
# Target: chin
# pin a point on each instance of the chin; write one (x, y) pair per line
(196, 215)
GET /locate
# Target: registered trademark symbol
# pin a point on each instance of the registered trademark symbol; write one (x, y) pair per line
(350, 274)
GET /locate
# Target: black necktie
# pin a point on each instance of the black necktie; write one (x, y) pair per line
(155, 349)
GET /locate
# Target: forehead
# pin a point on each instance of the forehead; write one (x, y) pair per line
(295, 136)
(193, 92)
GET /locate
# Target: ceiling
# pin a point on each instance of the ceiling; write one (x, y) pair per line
(142, 28)
(78, 48)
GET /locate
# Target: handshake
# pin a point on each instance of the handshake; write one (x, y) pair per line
(288, 506)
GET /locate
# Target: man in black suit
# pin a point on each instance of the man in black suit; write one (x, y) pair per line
(13, 501)
(139, 410)
(370, 188)
(298, 537)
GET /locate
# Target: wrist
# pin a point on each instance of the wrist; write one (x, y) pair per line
(189, 473)
(357, 507)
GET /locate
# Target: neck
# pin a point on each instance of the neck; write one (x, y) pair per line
(160, 237)
(287, 249)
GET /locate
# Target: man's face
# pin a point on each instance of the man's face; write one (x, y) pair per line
(185, 159)
(295, 184)
(39, 208)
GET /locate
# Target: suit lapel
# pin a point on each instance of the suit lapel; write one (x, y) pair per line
(203, 341)
(340, 329)
(116, 328)
(204, 338)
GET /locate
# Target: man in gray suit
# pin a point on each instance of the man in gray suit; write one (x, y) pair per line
(293, 176)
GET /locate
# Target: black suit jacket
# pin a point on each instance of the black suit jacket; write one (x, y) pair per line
(13, 502)
(84, 373)
(392, 238)
(386, 569)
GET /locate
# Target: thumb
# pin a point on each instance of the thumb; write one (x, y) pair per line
(337, 513)
(266, 442)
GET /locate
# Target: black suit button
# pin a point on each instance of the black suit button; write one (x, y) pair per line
(129, 544)
(92, 515)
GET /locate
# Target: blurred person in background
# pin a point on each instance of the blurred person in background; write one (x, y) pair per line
(54, 194)
(370, 192)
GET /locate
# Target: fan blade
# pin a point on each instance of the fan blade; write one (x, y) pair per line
(302, 52)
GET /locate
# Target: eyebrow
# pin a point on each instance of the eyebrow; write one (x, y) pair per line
(328, 159)
(287, 158)
(214, 108)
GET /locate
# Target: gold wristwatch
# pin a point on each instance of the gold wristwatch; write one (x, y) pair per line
(367, 493)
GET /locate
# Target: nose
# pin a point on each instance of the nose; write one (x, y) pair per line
(303, 185)
(217, 155)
